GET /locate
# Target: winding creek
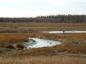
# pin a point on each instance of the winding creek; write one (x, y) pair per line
(72, 31)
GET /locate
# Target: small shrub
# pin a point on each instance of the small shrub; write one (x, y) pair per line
(10, 47)
(20, 46)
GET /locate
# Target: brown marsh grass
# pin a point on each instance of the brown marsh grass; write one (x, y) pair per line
(13, 37)
(25, 27)
(43, 60)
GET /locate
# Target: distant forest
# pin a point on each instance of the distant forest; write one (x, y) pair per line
(51, 18)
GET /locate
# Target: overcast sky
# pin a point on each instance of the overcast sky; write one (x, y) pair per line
(28, 8)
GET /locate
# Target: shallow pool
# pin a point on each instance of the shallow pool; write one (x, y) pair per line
(38, 43)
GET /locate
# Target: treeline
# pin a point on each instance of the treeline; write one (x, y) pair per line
(52, 18)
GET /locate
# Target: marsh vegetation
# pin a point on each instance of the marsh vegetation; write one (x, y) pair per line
(15, 35)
